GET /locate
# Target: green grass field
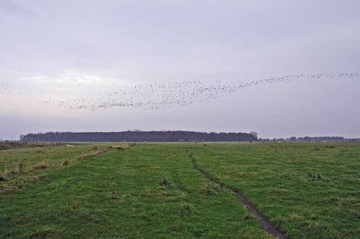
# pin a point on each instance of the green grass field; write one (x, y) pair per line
(153, 190)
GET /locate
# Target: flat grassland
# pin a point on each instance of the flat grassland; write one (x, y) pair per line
(306, 190)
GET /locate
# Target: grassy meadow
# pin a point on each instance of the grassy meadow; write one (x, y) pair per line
(153, 190)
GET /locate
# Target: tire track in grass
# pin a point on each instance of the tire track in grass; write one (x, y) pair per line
(10, 183)
(266, 224)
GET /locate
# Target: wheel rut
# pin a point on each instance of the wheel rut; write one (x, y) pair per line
(266, 224)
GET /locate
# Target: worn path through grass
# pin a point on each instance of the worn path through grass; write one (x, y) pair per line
(310, 190)
(153, 191)
(20, 165)
(266, 224)
(146, 191)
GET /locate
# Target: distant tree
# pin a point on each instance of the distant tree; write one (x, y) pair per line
(293, 138)
(254, 134)
(307, 138)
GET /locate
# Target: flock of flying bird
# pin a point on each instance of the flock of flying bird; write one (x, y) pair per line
(175, 94)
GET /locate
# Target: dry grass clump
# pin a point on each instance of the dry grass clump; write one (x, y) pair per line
(41, 166)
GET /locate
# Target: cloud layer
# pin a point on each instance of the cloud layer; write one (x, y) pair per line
(78, 49)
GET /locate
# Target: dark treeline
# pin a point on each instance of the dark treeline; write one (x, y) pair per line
(138, 136)
(321, 138)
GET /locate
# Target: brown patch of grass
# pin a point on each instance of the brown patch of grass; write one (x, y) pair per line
(41, 166)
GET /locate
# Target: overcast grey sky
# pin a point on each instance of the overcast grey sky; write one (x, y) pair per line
(84, 48)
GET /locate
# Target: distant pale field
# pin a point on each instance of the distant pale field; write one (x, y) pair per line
(307, 190)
